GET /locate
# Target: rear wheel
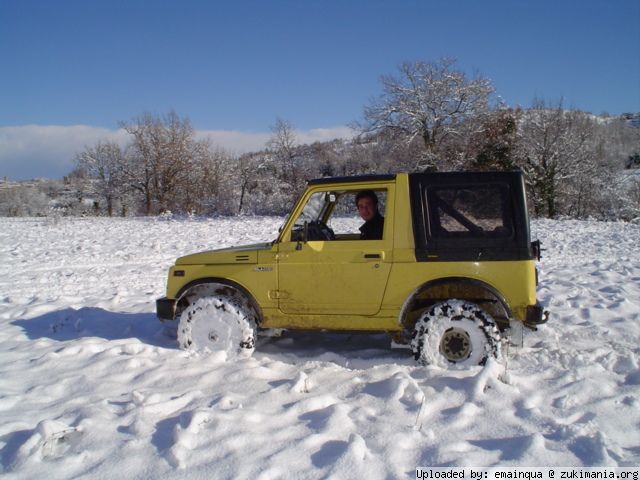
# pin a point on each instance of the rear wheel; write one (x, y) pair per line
(217, 324)
(455, 334)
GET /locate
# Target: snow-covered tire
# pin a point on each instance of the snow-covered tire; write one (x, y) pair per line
(455, 334)
(217, 324)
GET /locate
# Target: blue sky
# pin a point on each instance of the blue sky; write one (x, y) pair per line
(71, 70)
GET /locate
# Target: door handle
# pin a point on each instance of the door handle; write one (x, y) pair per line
(372, 256)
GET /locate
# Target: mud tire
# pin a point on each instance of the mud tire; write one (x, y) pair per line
(455, 334)
(217, 324)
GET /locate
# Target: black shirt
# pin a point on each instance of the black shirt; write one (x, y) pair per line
(372, 229)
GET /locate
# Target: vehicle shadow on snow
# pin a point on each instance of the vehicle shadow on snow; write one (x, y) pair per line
(71, 324)
(350, 350)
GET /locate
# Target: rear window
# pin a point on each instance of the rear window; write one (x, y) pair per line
(475, 211)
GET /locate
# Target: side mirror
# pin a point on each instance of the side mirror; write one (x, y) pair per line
(305, 235)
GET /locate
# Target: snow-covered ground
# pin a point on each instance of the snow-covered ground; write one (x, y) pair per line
(91, 387)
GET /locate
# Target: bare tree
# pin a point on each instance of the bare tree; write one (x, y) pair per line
(494, 146)
(429, 102)
(159, 158)
(557, 149)
(209, 189)
(22, 201)
(246, 172)
(104, 162)
(288, 161)
(142, 157)
(631, 208)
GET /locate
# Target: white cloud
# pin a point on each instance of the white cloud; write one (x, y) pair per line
(324, 134)
(243, 142)
(32, 151)
(235, 141)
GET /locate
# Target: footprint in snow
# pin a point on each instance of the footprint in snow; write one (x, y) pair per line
(338, 453)
(49, 440)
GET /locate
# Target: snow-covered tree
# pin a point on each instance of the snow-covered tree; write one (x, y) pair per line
(160, 159)
(287, 161)
(556, 149)
(21, 201)
(104, 162)
(209, 189)
(248, 170)
(428, 103)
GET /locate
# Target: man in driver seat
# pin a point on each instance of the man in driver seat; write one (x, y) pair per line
(367, 204)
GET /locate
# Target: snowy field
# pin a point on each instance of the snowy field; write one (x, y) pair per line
(91, 387)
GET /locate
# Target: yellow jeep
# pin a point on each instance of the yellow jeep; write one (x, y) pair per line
(448, 271)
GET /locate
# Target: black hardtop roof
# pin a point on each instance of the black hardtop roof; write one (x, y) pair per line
(352, 179)
(468, 176)
(486, 176)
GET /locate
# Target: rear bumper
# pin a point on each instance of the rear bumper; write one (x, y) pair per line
(536, 315)
(165, 309)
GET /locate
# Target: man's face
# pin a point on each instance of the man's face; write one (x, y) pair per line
(367, 208)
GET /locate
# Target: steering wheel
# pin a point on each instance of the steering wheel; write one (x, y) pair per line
(317, 230)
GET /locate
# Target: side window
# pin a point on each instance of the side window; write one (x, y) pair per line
(334, 215)
(346, 218)
(469, 211)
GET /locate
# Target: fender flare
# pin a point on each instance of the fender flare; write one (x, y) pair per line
(465, 281)
(182, 293)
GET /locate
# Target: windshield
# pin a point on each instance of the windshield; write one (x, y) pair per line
(312, 209)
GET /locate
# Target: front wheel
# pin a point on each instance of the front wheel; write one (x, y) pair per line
(455, 334)
(217, 323)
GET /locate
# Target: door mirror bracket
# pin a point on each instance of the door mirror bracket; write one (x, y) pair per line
(305, 235)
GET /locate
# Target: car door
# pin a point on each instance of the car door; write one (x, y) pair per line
(344, 276)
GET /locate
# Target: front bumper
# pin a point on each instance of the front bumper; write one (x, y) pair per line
(165, 309)
(536, 315)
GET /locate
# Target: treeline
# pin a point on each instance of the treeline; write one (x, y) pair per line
(429, 116)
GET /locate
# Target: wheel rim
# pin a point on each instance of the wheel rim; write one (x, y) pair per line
(455, 345)
(214, 329)
(215, 324)
(455, 334)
